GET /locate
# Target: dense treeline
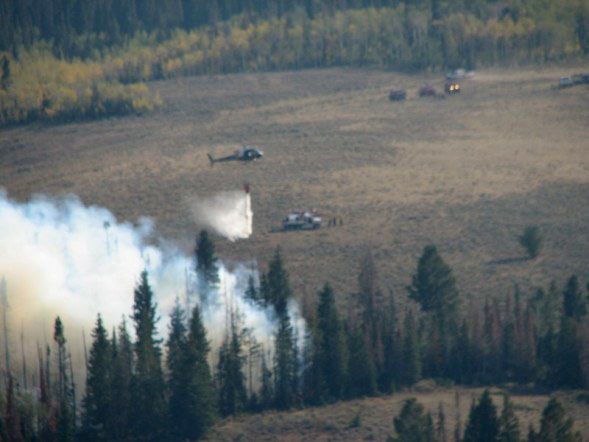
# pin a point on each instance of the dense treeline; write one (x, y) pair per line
(139, 389)
(130, 41)
(78, 27)
(484, 424)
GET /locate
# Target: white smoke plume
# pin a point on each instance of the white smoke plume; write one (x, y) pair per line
(228, 214)
(59, 257)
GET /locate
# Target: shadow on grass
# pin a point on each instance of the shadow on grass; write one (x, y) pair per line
(505, 261)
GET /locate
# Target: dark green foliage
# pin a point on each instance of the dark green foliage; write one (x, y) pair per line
(483, 425)
(434, 287)
(531, 240)
(411, 353)
(361, 372)
(206, 264)
(278, 289)
(192, 399)
(230, 378)
(98, 400)
(508, 423)
(390, 375)
(413, 424)
(122, 369)
(65, 394)
(252, 293)
(330, 348)
(555, 426)
(176, 346)
(285, 365)
(574, 302)
(266, 390)
(148, 386)
(567, 361)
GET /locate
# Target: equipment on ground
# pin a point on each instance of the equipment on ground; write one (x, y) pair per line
(301, 220)
(397, 94)
(427, 90)
(452, 87)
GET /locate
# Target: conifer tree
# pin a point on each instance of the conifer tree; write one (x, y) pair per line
(285, 364)
(574, 304)
(483, 425)
(121, 384)
(361, 372)
(98, 400)
(279, 290)
(177, 371)
(230, 377)
(252, 293)
(148, 390)
(390, 376)
(434, 287)
(65, 399)
(411, 352)
(266, 389)
(555, 425)
(413, 424)
(567, 362)
(330, 344)
(207, 269)
(508, 423)
(192, 399)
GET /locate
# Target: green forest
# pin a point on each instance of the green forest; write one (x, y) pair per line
(140, 388)
(70, 59)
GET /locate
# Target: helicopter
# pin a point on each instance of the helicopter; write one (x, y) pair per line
(246, 153)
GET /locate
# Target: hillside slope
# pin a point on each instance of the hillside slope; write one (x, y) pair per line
(466, 172)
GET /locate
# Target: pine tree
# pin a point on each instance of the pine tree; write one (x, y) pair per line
(361, 372)
(413, 424)
(411, 352)
(508, 423)
(555, 426)
(98, 400)
(285, 364)
(574, 304)
(531, 240)
(148, 390)
(230, 377)
(567, 362)
(434, 287)
(207, 269)
(279, 291)
(390, 375)
(121, 384)
(266, 390)
(330, 344)
(252, 293)
(483, 425)
(192, 398)
(65, 399)
(175, 361)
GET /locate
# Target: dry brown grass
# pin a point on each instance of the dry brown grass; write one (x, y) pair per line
(335, 422)
(466, 172)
